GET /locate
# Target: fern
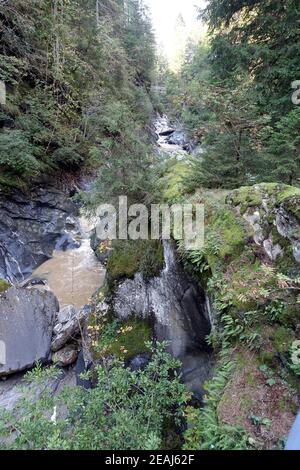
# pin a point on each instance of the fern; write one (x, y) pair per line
(205, 432)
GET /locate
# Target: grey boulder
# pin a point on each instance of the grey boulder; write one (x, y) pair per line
(27, 318)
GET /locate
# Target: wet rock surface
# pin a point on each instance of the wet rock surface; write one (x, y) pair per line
(31, 226)
(11, 389)
(179, 309)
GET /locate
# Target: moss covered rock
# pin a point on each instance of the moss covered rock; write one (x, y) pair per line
(130, 257)
(4, 285)
(273, 212)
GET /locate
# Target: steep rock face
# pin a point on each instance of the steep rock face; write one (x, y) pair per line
(30, 227)
(27, 318)
(178, 308)
(176, 303)
(273, 212)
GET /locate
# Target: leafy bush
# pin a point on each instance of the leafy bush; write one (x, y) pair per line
(17, 154)
(295, 357)
(125, 411)
(67, 157)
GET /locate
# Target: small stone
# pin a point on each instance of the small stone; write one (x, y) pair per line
(273, 251)
(65, 356)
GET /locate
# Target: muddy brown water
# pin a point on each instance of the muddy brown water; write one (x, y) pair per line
(74, 275)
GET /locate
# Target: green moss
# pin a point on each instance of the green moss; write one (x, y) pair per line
(131, 341)
(246, 197)
(288, 192)
(251, 196)
(230, 231)
(130, 257)
(171, 183)
(4, 285)
(123, 340)
(290, 198)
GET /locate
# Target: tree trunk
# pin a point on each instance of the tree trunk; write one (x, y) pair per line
(56, 46)
(97, 14)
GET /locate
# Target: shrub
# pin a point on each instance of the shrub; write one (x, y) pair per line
(125, 411)
(17, 154)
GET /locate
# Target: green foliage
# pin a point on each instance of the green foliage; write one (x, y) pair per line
(234, 95)
(224, 241)
(295, 357)
(205, 431)
(17, 154)
(11, 69)
(125, 411)
(283, 144)
(275, 311)
(78, 91)
(171, 184)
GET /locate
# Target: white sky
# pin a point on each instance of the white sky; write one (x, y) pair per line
(164, 15)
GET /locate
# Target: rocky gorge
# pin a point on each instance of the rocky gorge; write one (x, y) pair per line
(40, 233)
(218, 300)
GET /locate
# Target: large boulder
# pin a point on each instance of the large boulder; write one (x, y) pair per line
(178, 138)
(27, 318)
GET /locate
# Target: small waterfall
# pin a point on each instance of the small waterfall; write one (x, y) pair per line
(169, 256)
(10, 260)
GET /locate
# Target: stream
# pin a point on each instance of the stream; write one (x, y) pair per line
(73, 275)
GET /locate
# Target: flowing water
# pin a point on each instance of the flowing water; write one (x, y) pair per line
(75, 274)
(162, 125)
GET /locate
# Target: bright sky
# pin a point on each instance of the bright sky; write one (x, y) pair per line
(164, 15)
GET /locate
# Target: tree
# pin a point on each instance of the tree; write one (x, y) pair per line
(68, 73)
